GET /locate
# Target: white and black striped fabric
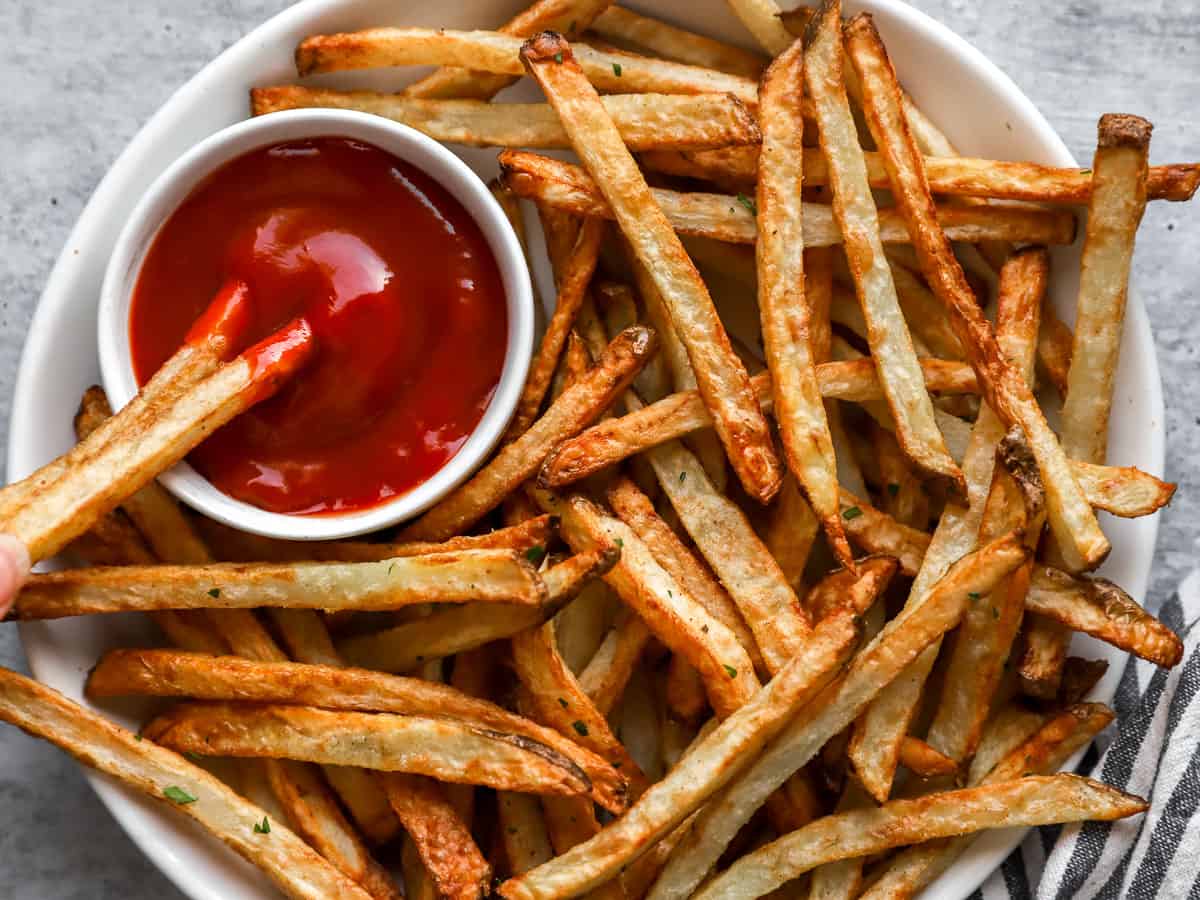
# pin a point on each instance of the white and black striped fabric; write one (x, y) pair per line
(1154, 752)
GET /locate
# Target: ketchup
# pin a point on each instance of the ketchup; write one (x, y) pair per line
(401, 291)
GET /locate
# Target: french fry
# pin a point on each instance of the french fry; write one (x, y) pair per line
(903, 495)
(646, 121)
(984, 640)
(457, 628)
(724, 218)
(490, 51)
(1054, 350)
(568, 16)
(784, 309)
(609, 670)
(923, 760)
(453, 861)
(709, 765)
(1043, 752)
(239, 546)
(1037, 800)
(761, 18)
(625, 26)
(856, 591)
(522, 831)
(555, 698)
(877, 532)
(572, 288)
(683, 413)
(573, 411)
(1071, 518)
(1114, 212)
(487, 576)
(1043, 653)
(444, 749)
(841, 880)
(635, 510)
(674, 617)
(854, 209)
(901, 641)
(169, 673)
(1098, 607)
(723, 381)
(118, 460)
(156, 772)
(1079, 677)
(948, 175)
(684, 690)
(792, 529)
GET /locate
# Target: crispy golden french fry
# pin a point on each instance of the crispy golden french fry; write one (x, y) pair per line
(704, 769)
(783, 306)
(1054, 349)
(1043, 653)
(854, 209)
(169, 673)
(723, 534)
(841, 880)
(924, 314)
(442, 839)
(239, 546)
(523, 831)
(984, 641)
(722, 379)
(948, 175)
(877, 532)
(923, 760)
(625, 26)
(635, 510)
(556, 699)
(490, 51)
(901, 641)
(1114, 213)
(604, 678)
(572, 288)
(573, 411)
(444, 749)
(762, 19)
(683, 413)
(646, 121)
(903, 496)
(457, 628)
(685, 696)
(571, 17)
(1098, 607)
(792, 529)
(1071, 518)
(1038, 800)
(856, 591)
(488, 576)
(675, 618)
(581, 625)
(726, 218)
(284, 858)
(146, 439)
(1043, 752)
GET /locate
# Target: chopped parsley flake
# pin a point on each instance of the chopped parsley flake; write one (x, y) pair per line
(536, 554)
(682, 477)
(214, 592)
(893, 489)
(580, 728)
(852, 513)
(730, 671)
(973, 596)
(178, 795)
(562, 702)
(750, 205)
(263, 827)
(617, 69)
(558, 57)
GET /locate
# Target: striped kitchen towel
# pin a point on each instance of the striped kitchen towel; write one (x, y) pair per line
(1154, 753)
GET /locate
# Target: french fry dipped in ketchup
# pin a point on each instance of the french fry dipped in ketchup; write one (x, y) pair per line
(194, 393)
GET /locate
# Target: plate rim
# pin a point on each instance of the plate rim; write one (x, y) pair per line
(125, 807)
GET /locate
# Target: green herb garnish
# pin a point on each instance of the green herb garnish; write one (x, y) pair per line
(263, 827)
(536, 554)
(178, 795)
(750, 205)
(558, 57)
(214, 592)
(730, 671)
(580, 728)
(617, 69)
(851, 513)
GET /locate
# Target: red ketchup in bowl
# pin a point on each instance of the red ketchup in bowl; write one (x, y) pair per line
(404, 297)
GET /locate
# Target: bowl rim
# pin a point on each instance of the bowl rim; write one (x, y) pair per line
(178, 181)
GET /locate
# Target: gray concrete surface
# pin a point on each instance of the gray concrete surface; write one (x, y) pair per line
(78, 79)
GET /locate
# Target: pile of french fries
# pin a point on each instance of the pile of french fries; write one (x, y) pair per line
(771, 585)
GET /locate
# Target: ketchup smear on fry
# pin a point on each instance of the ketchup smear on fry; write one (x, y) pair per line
(401, 290)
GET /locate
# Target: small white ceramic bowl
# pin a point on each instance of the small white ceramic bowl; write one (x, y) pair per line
(178, 181)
